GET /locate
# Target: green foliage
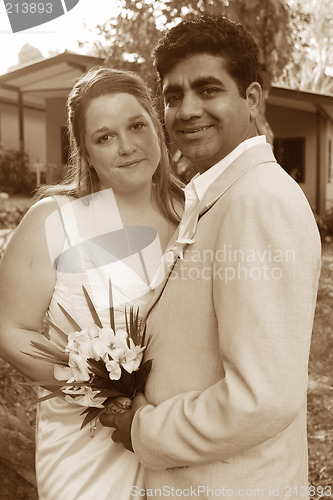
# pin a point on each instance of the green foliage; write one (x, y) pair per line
(310, 66)
(127, 40)
(325, 224)
(10, 218)
(269, 21)
(15, 176)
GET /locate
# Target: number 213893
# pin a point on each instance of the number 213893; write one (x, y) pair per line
(28, 8)
(304, 491)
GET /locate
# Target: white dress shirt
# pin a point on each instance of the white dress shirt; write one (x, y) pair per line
(197, 187)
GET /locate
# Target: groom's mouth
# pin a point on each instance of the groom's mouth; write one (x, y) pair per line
(191, 131)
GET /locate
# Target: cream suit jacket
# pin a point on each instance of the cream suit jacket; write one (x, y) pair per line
(229, 335)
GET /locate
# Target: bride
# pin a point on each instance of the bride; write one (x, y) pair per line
(74, 235)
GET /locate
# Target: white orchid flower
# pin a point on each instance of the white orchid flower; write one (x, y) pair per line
(114, 369)
(83, 396)
(79, 366)
(133, 357)
(108, 344)
(101, 346)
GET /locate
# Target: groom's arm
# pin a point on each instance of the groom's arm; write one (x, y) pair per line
(264, 329)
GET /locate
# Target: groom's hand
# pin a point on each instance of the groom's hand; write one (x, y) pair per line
(122, 422)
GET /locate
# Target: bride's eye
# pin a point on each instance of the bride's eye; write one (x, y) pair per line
(137, 126)
(104, 138)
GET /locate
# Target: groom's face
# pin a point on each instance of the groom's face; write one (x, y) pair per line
(205, 115)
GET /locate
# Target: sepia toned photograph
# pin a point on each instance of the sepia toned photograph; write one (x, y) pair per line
(166, 249)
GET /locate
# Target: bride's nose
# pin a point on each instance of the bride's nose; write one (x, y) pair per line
(126, 144)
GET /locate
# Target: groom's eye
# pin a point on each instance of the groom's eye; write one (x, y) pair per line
(210, 91)
(171, 100)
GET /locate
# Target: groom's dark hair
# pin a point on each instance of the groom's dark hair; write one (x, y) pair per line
(217, 36)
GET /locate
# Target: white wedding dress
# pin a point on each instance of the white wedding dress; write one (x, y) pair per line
(70, 463)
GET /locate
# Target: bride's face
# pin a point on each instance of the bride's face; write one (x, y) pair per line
(121, 142)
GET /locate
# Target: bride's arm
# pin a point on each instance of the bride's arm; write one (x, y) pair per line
(27, 280)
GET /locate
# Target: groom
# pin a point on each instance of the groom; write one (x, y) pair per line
(230, 329)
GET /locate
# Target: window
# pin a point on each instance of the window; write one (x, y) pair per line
(290, 153)
(64, 145)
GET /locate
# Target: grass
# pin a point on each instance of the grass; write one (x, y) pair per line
(320, 394)
(17, 398)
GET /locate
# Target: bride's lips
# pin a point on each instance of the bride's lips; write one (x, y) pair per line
(131, 163)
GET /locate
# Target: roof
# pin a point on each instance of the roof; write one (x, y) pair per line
(51, 77)
(55, 76)
(301, 100)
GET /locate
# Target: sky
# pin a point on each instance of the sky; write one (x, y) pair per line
(59, 34)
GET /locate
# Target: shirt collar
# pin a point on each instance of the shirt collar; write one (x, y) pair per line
(201, 182)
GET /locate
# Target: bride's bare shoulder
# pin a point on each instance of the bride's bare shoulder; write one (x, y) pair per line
(42, 209)
(39, 221)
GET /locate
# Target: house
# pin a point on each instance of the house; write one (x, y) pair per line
(302, 123)
(33, 117)
(33, 110)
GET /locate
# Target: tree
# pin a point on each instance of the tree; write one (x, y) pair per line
(311, 64)
(127, 40)
(27, 54)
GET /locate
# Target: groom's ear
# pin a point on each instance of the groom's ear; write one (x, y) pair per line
(254, 97)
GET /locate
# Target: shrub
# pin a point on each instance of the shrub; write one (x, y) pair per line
(325, 224)
(15, 176)
(11, 217)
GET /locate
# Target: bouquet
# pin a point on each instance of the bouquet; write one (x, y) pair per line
(99, 367)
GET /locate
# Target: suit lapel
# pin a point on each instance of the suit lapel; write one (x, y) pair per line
(169, 261)
(262, 153)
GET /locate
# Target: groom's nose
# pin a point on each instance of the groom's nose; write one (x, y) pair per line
(190, 106)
